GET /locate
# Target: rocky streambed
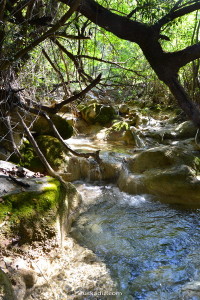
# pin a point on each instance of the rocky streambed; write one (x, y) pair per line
(161, 161)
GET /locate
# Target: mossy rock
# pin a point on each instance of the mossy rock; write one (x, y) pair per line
(50, 147)
(41, 127)
(120, 131)
(98, 113)
(32, 214)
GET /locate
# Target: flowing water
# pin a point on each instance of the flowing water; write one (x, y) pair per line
(151, 249)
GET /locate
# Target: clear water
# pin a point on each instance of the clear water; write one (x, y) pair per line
(151, 249)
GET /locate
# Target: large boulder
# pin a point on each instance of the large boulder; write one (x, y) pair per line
(177, 185)
(186, 130)
(131, 183)
(81, 168)
(42, 127)
(119, 131)
(98, 113)
(170, 173)
(124, 109)
(162, 157)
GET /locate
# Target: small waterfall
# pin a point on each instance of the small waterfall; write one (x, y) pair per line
(90, 169)
(94, 171)
(139, 142)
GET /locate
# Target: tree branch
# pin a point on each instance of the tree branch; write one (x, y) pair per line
(72, 37)
(38, 109)
(58, 106)
(182, 57)
(11, 137)
(176, 13)
(121, 26)
(76, 62)
(95, 155)
(37, 149)
(56, 69)
(191, 109)
(117, 64)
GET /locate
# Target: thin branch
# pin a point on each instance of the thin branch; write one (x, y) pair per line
(11, 137)
(176, 13)
(95, 155)
(58, 106)
(76, 62)
(109, 62)
(2, 8)
(37, 149)
(56, 69)
(72, 37)
(64, 186)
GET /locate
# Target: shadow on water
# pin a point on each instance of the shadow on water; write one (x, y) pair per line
(151, 248)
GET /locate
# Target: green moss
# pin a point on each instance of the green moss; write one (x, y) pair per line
(118, 126)
(29, 204)
(50, 147)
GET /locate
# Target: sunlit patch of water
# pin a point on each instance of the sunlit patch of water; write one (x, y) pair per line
(152, 249)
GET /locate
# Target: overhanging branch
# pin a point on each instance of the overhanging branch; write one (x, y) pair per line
(176, 13)
(58, 106)
(183, 57)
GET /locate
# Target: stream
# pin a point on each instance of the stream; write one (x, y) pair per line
(151, 249)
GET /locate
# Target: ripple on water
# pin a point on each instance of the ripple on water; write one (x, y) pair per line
(152, 249)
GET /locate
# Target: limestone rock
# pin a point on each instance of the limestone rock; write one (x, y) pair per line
(98, 113)
(170, 173)
(186, 130)
(120, 131)
(176, 185)
(160, 158)
(123, 109)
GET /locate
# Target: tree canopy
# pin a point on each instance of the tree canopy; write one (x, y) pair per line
(148, 36)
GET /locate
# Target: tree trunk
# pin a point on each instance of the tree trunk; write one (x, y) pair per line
(190, 108)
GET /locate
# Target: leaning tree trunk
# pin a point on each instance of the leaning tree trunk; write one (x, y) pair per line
(188, 106)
